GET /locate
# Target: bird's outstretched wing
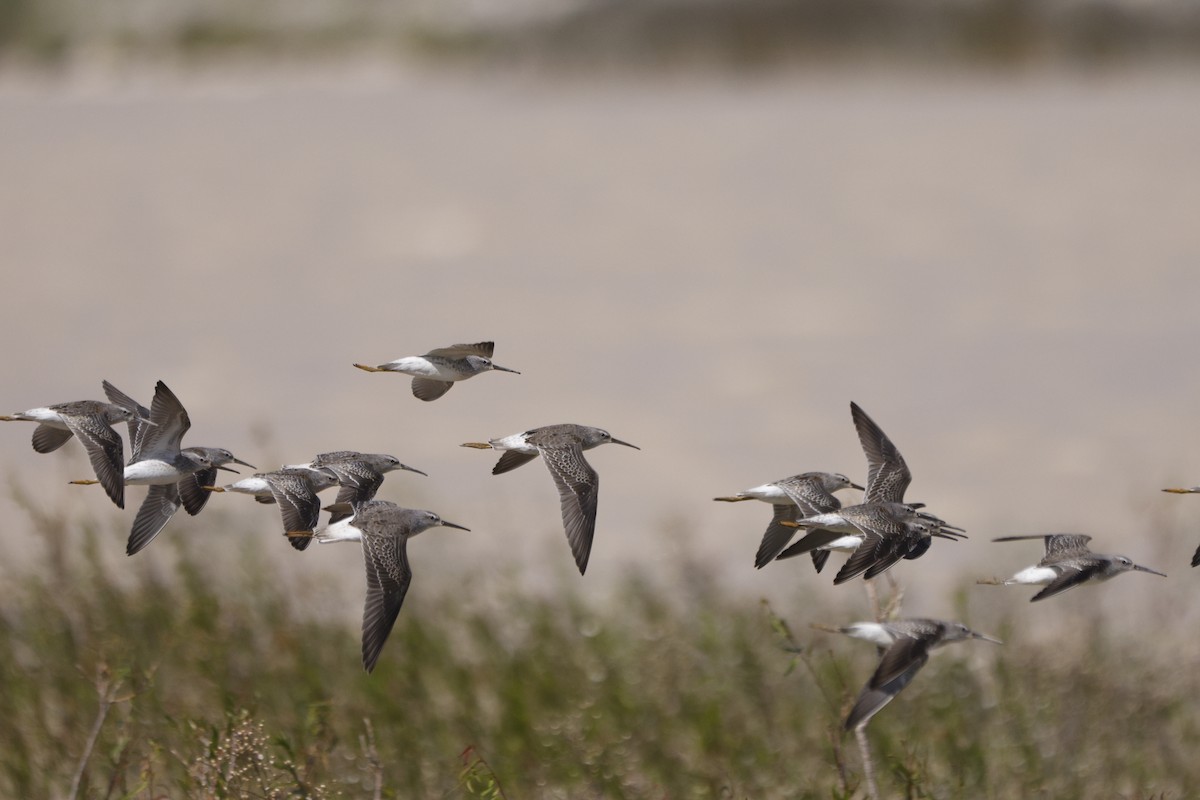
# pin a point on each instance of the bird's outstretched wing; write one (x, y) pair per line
(429, 388)
(156, 511)
(484, 349)
(388, 578)
(104, 450)
(888, 475)
(896, 669)
(578, 489)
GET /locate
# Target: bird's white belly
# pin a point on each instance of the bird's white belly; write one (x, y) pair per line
(341, 531)
(515, 442)
(830, 522)
(252, 485)
(846, 544)
(418, 367)
(151, 471)
(1033, 576)
(46, 416)
(870, 631)
(768, 493)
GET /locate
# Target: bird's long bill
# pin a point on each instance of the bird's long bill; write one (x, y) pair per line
(952, 535)
(454, 525)
(1140, 568)
(985, 637)
(414, 469)
(504, 369)
(244, 463)
(856, 486)
(229, 469)
(615, 440)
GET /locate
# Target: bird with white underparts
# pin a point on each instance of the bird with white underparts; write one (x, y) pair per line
(561, 448)
(436, 372)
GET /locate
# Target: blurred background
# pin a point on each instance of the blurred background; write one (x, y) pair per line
(706, 226)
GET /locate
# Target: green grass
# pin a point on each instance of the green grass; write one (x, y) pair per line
(219, 687)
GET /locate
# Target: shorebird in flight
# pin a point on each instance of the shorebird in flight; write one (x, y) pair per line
(883, 528)
(1068, 563)
(561, 447)
(436, 372)
(793, 498)
(384, 529)
(176, 476)
(905, 646)
(89, 421)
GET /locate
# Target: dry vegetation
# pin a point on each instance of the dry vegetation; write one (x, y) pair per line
(186, 683)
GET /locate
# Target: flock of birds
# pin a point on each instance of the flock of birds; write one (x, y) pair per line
(184, 477)
(876, 533)
(882, 530)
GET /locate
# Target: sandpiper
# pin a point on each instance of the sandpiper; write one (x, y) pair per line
(295, 490)
(359, 474)
(91, 422)
(259, 487)
(793, 498)
(886, 528)
(1192, 490)
(192, 486)
(436, 372)
(384, 529)
(157, 458)
(905, 644)
(164, 499)
(877, 535)
(1068, 562)
(561, 447)
(175, 476)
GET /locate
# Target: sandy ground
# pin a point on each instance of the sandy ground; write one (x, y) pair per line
(1003, 271)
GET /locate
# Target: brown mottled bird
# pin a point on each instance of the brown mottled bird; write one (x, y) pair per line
(561, 447)
(384, 529)
(905, 644)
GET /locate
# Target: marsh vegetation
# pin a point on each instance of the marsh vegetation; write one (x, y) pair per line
(197, 681)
